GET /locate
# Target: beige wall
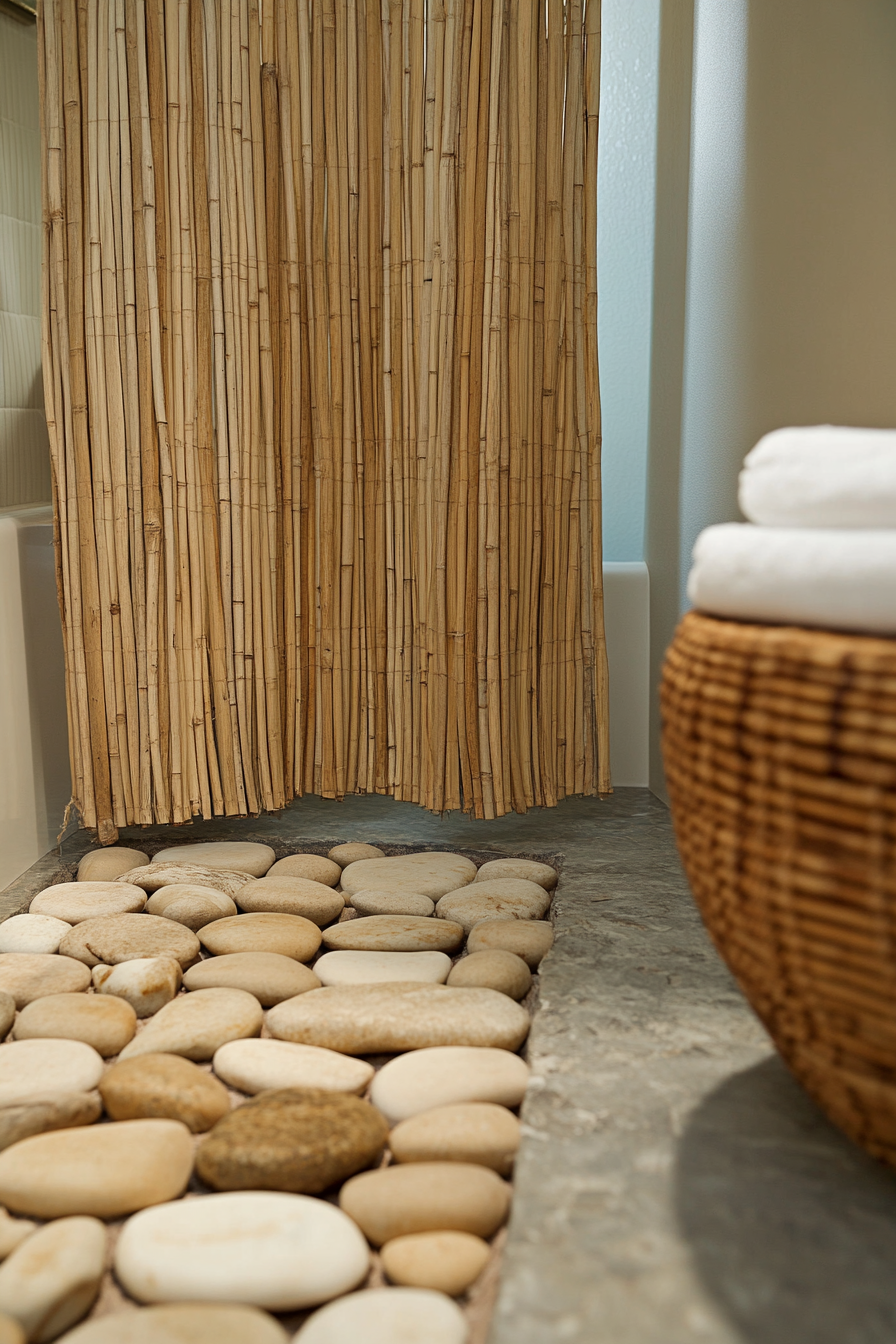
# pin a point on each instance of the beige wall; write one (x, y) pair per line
(24, 460)
(791, 254)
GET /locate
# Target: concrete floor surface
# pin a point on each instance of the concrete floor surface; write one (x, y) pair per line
(674, 1183)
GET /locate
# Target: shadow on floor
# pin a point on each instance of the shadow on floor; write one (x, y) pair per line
(792, 1228)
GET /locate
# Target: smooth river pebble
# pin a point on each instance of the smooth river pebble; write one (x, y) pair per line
(116, 938)
(392, 903)
(51, 1281)
(354, 853)
(105, 1023)
(74, 902)
(30, 975)
(311, 866)
(193, 906)
(164, 1087)
(267, 1249)
(104, 865)
(448, 1262)
(299, 1139)
(431, 874)
(293, 896)
(439, 1077)
(270, 976)
(472, 1131)
(509, 897)
(32, 933)
(154, 876)
(13, 1232)
(7, 1012)
(239, 856)
(380, 1019)
(394, 933)
(30, 1069)
(146, 983)
(10, 1330)
(529, 939)
(54, 1110)
(542, 873)
(373, 968)
(495, 969)
(101, 1170)
(288, 935)
(197, 1024)
(254, 1066)
(188, 1323)
(426, 1197)
(387, 1316)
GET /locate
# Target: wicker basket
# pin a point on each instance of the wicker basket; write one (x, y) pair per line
(780, 752)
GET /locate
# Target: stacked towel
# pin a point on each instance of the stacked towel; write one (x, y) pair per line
(820, 549)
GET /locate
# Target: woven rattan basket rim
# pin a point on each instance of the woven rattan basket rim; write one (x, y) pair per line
(820, 647)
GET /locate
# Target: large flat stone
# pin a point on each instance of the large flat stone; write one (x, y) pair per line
(431, 874)
(394, 933)
(74, 902)
(379, 1019)
(237, 856)
(112, 939)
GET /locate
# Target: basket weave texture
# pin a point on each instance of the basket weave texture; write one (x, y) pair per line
(780, 754)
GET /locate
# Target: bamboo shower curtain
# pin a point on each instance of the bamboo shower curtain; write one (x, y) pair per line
(321, 382)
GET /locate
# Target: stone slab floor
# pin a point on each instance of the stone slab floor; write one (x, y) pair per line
(674, 1184)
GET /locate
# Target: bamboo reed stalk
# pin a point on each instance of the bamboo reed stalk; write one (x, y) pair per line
(321, 384)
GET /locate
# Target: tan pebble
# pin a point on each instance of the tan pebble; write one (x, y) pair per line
(197, 1024)
(528, 869)
(270, 976)
(29, 975)
(146, 983)
(105, 1023)
(74, 902)
(52, 1110)
(257, 1066)
(529, 939)
(13, 1232)
(164, 1087)
(51, 1281)
(192, 911)
(426, 1197)
(293, 896)
(10, 1331)
(382, 1018)
(449, 1262)
(387, 1316)
(32, 933)
(116, 938)
(474, 1131)
(354, 853)
(310, 866)
(29, 1070)
(154, 876)
(104, 865)
(486, 900)
(233, 855)
(185, 1323)
(105, 1171)
(392, 903)
(495, 969)
(288, 935)
(302, 1140)
(394, 933)
(430, 874)
(421, 1079)
(7, 1011)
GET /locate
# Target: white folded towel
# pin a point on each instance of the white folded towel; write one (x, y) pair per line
(821, 476)
(838, 580)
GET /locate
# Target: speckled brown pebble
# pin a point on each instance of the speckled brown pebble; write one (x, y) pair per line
(286, 895)
(164, 1087)
(310, 866)
(495, 969)
(295, 1139)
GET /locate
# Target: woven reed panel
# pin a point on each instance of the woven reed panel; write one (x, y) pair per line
(780, 754)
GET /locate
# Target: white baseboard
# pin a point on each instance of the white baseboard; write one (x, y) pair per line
(627, 620)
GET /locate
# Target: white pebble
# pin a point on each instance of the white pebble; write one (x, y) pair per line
(32, 933)
(387, 1316)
